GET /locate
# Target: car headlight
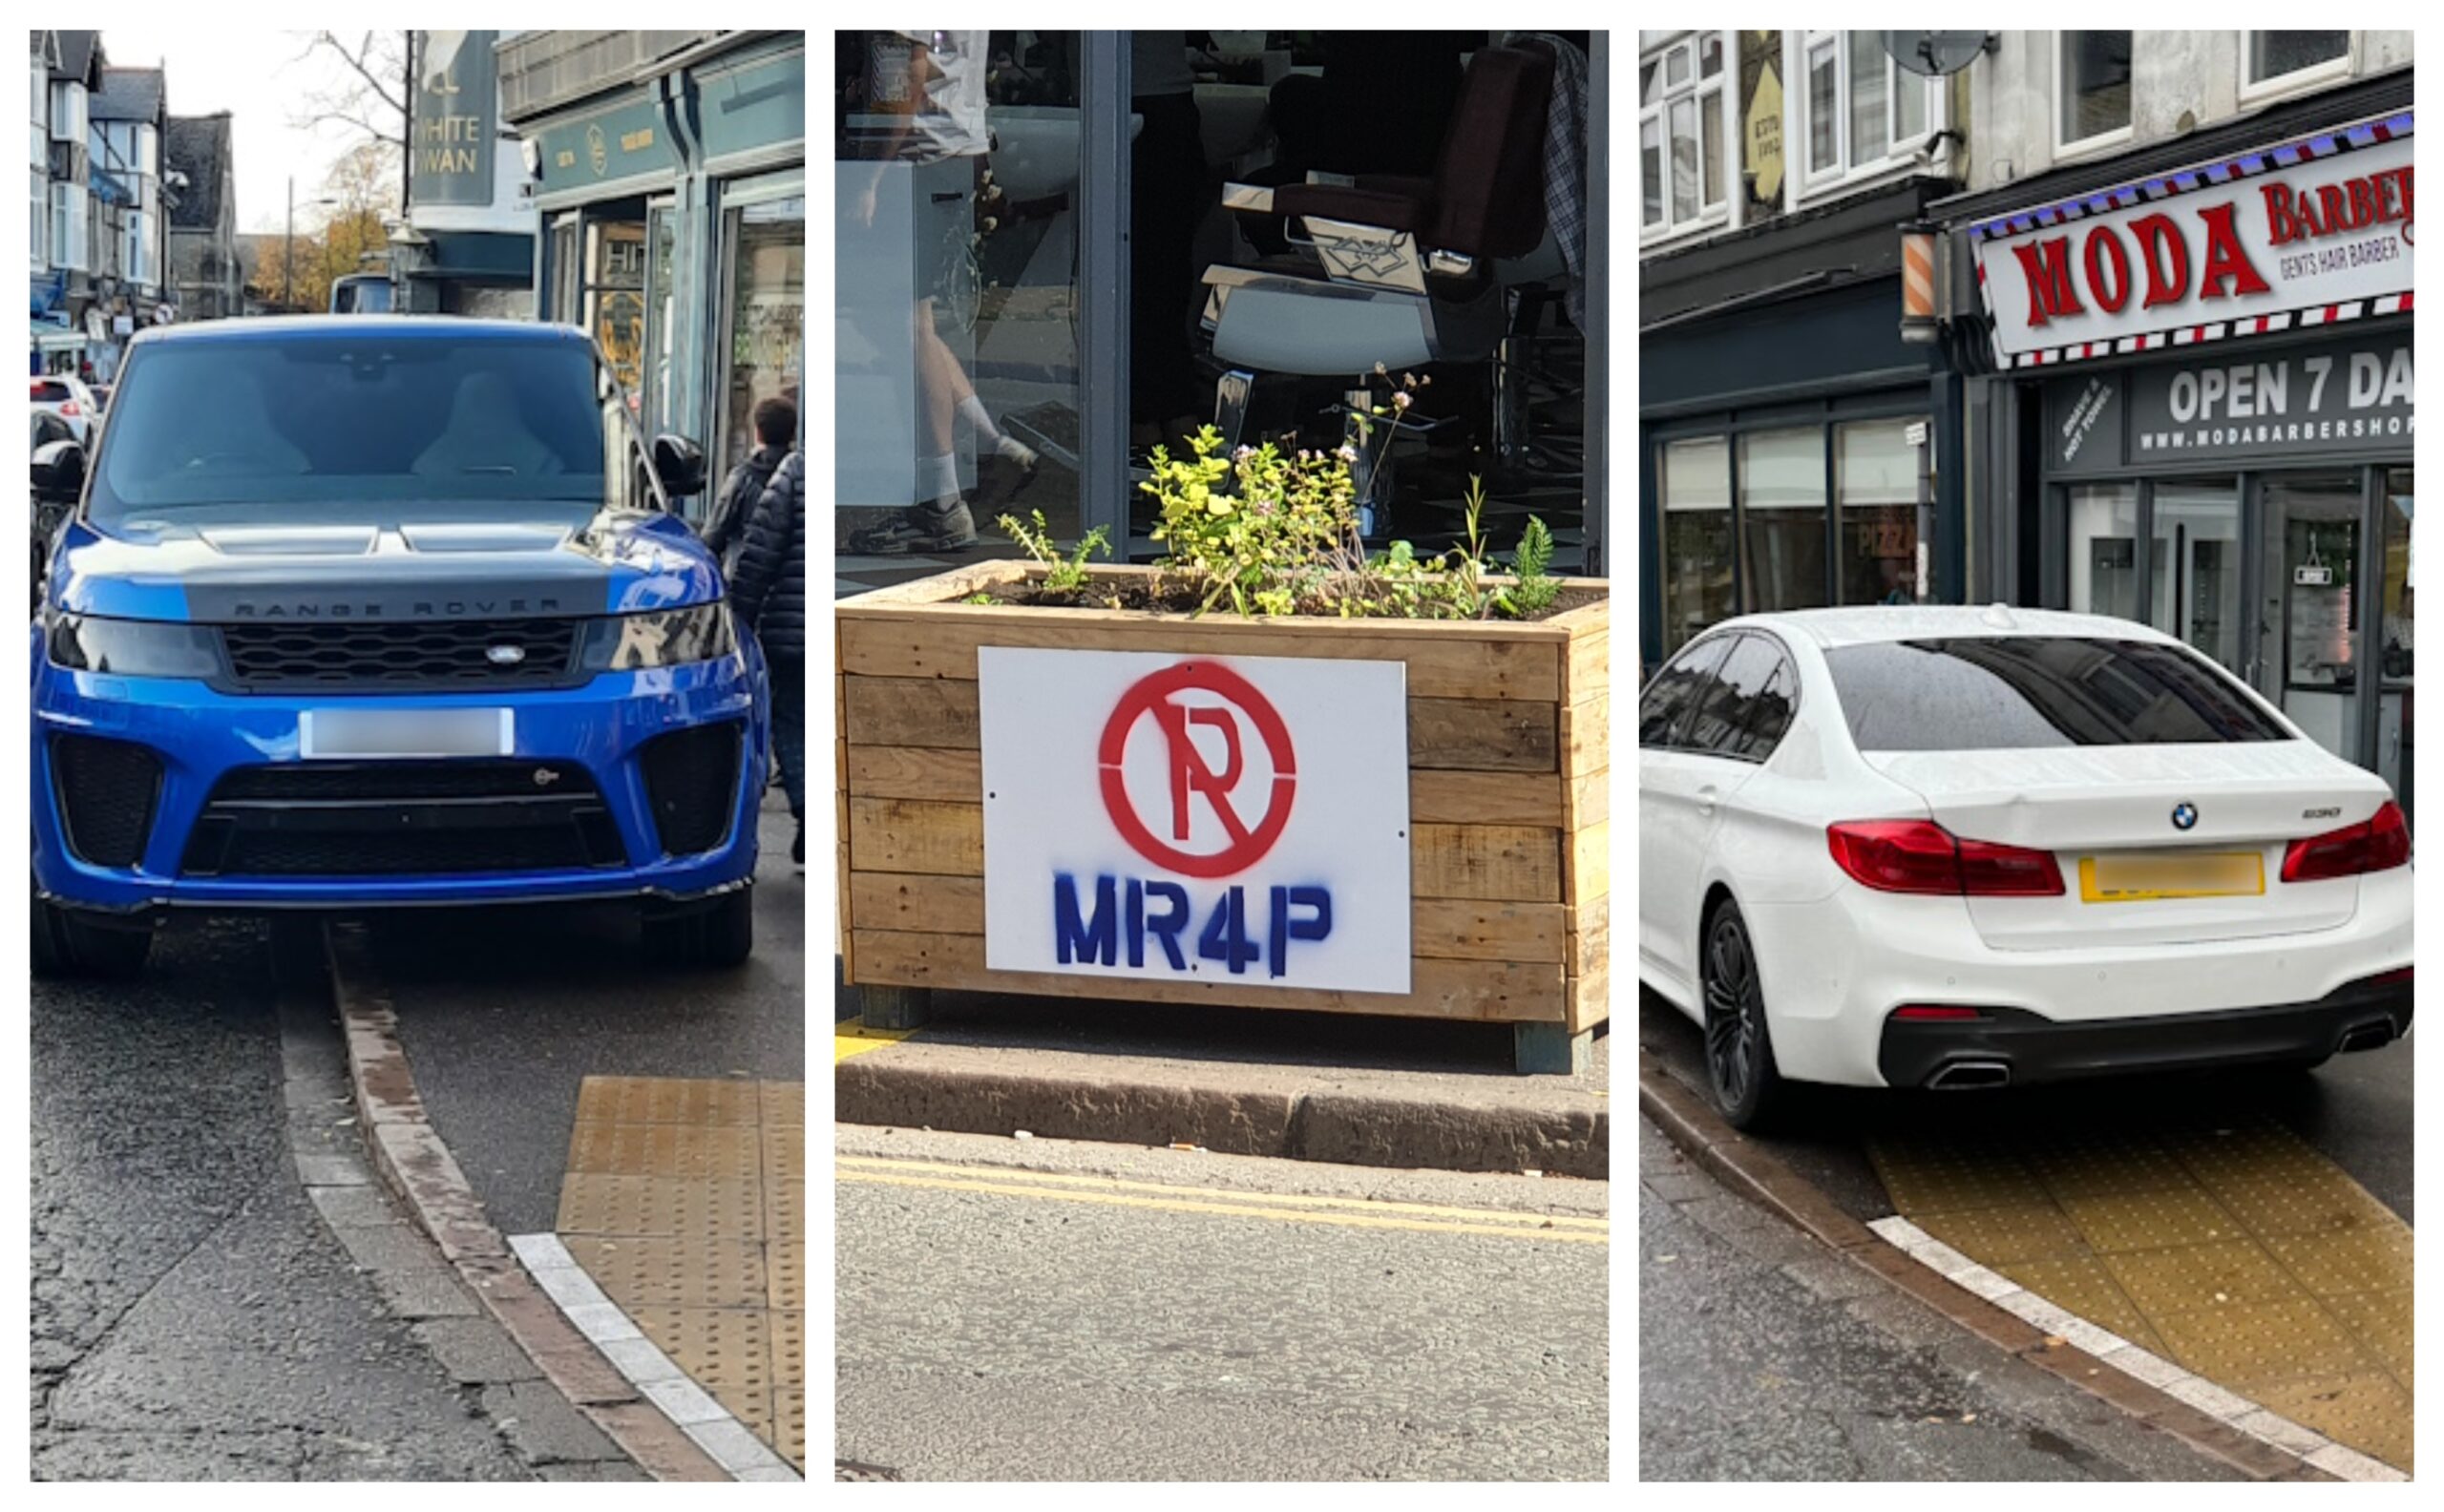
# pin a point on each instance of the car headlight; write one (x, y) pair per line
(663, 638)
(135, 647)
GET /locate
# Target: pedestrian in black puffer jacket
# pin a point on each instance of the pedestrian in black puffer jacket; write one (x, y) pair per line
(776, 425)
(768, 594)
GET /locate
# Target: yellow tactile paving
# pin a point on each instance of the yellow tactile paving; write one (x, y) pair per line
(686, 1200)
(2242, 1253)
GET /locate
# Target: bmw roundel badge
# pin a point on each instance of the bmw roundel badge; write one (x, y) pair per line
(2185, 816)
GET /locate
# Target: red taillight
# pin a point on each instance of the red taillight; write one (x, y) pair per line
(68, 407)
(1914, 855)
(1931, 1011)
(2380, 844)
(2401, 977)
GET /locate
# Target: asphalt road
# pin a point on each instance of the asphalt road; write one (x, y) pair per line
(2356, 1109)
(505, 1012)
(1761, 1357)
(192, 1318)
(1000, 1335)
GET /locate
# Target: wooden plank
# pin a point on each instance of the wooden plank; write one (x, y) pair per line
(1590, 862)
(1493, 863)
(1455, 661)
(1483, 735)
(1446, 929)
(1440, 929)
(1485, 797)
(1590, 796)
(1587, 666)
(910, 711)
(916, 771)
(1590, 966)
(1501, 992)
(929, 905)
(903, 835)
(943, 587)
(1590, 619)
(1587, 734)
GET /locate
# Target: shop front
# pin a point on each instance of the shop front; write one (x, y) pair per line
(2214, 370)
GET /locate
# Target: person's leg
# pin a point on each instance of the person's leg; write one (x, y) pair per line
(789, 739)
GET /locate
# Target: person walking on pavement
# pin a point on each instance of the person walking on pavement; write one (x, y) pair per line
(768, 594)
(776, 425)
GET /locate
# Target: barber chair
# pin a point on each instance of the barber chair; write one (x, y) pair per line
(1399, 272)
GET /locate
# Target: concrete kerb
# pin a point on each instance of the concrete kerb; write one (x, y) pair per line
(589, 1395)
(1346, 1129)
(2213, 1422)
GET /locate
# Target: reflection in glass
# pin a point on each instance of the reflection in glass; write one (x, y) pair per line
(1876, 469)
(1781, 499)
(1697, 538)
(2104, 548)
(2196, 565)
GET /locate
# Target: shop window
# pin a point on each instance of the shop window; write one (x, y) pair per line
(765, 243)
(2104, 548)
(1876, 471)
(2284, 59)
(2093, 100)
(662, 313)
(1681, 133)
(1863, 108)
(564, 271)
(2194, 565)
(1782, 518)
(1697, 538)
(615, 299)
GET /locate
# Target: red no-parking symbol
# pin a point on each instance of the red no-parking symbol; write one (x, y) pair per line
(1192, 776)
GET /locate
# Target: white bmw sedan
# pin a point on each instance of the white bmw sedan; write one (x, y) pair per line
(1921, 847)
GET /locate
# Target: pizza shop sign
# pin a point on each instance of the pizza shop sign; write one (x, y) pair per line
(1240, 820)
(2311, 232)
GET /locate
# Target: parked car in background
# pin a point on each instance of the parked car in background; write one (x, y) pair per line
(374, 611)
(102, 394)
(46, 506)
(67, 396)
(1956, 848)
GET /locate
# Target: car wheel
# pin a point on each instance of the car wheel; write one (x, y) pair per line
(1740, 1052)
(719, 934)
(93, 948)
(50, 946)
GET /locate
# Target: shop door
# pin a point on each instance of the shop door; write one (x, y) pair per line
(2395, 640)
(2308, 625)
(2195, 564)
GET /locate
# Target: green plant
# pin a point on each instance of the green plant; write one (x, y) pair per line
(1537, 588)
(1060, 573)
(978, 598)
(1256, 527)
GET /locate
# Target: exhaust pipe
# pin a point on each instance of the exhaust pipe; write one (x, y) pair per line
(2367, 1036)
(1962, 1076)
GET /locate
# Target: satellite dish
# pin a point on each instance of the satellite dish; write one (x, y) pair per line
(1936, 55)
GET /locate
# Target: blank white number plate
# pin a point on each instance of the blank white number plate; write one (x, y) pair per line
(391, 734)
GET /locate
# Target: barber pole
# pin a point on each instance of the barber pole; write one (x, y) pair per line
(1918, 318)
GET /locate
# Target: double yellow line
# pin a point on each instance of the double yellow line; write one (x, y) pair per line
(1348, 1213)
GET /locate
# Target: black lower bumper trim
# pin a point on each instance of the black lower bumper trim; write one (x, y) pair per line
(2035, 1048)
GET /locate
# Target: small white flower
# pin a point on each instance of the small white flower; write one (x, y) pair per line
(1346, 452)
(1399, 401)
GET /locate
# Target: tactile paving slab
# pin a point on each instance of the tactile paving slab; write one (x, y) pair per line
(2239, 1253)
(686, 1200)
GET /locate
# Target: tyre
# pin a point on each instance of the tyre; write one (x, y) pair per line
(1739, 1050)
(68, 943)
(50, 946)
(717, 934)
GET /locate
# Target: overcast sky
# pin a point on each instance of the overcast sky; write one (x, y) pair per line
(247, 71)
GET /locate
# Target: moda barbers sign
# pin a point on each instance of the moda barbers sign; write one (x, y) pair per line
(2333, 398)
(2307, 233)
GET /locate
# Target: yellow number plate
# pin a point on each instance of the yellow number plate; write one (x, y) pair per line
(2152, 876)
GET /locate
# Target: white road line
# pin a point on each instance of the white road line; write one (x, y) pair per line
(2242, 1416)
(694, 1410)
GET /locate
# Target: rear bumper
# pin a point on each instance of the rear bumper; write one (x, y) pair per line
(2034, 1048)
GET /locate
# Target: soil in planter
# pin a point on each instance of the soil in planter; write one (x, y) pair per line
(1163, 598)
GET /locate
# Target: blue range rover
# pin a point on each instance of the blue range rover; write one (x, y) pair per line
(366, 612)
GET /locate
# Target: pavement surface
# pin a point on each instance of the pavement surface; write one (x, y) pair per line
(1047, 1309)
(1332, 1087)
(193, 1315)
(1764, 1357)
(2355, 1110)
(505, 1012)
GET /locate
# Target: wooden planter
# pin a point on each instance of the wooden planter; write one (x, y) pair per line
(1510, 823)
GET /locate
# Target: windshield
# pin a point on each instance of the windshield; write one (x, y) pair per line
(325, 426)
(2030, 692)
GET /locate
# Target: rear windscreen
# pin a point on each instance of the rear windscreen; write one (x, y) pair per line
(2027, 692)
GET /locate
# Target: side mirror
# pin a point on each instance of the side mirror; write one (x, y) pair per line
(680, 464)
(59, 470)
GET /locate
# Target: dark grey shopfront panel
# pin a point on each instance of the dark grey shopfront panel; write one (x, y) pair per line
(2340, 397)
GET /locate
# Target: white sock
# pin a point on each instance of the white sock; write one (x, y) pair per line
(973, 408)
(937, 477)
(1016, 451)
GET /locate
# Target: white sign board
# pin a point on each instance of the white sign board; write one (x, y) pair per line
(2305, 229)
(1234, 820)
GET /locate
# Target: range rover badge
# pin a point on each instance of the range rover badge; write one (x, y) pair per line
(505, 655)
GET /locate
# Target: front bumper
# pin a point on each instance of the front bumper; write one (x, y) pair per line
(200, 736)
(2030, 1047)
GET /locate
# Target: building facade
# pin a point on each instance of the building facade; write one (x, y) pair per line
(467, 246)
(207, 282)
(128, 120)
(1795, 451)
(669, 171)
(67, 68)
(2181, 269)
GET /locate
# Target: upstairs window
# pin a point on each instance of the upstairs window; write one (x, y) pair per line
(2281, 61)
(1681, 133)
(2095, 95)
(1862, 108)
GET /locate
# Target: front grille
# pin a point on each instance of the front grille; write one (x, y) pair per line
(403, 818)
(108, 790)
(386, 657)
(691, 779)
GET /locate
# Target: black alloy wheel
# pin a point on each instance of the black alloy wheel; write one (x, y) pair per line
(1740, 1053)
